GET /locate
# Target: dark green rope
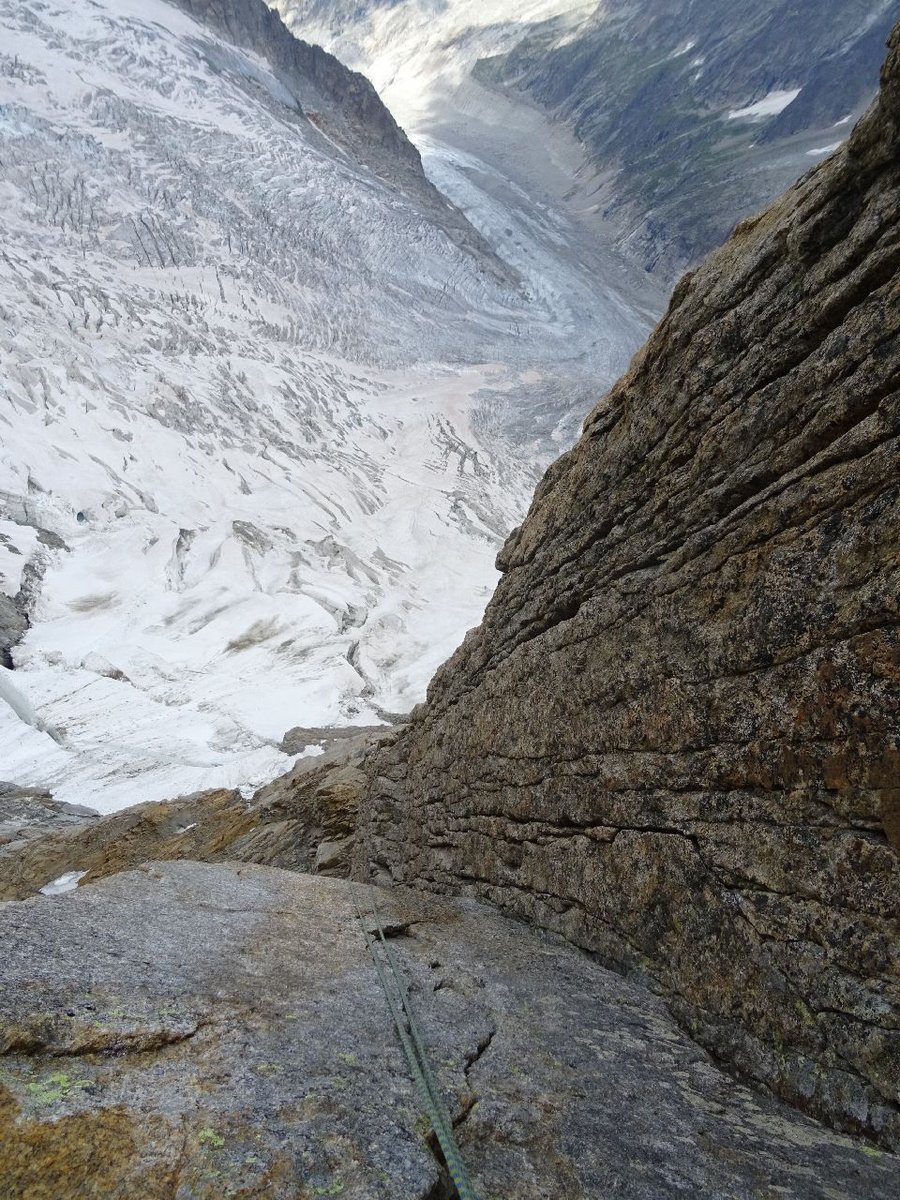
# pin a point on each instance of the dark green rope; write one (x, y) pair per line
(417, 1057)
(417, 1039)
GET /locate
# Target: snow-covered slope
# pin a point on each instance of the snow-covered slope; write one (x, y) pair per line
(270, 419)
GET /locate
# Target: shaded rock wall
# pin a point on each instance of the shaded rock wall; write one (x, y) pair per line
(674, 736)
(16, 609)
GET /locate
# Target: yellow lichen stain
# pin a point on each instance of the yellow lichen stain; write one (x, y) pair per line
(102, 1154)
(88, 1154)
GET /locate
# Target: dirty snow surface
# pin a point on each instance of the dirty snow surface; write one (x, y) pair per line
(263, 424)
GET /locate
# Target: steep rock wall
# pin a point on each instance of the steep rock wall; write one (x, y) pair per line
(674, 736)
(309, 71)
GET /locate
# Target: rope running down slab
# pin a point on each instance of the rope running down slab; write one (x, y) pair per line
(407, 1028)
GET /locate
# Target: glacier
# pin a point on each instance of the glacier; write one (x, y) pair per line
(264, 421)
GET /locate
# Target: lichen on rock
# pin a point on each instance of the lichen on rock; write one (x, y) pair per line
(218, 1030)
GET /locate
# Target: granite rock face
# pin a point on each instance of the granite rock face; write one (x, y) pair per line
(196, 1031)
(674, 737)
(27, 812)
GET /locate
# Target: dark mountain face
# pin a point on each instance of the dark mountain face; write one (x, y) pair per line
(328, 91)
(648, 88)
(838, 85)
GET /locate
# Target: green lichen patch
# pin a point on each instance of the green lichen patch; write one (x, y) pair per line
(55, 1087)
(209, 1137)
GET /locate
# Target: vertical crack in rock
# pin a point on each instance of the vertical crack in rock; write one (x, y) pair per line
(471, 1098)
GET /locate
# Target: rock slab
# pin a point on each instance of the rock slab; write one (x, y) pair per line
(191, 1031)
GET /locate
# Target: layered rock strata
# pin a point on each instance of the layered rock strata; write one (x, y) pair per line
(674, 737)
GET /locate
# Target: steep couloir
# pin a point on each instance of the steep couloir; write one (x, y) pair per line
(674, 736)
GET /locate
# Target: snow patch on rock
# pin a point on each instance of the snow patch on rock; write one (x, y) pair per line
(770, 106)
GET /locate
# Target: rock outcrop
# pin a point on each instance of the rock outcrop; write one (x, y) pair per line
(303, 821)
(13, 627)
(27, 812)
(16, 606)
(674, 736)
(189, 1030)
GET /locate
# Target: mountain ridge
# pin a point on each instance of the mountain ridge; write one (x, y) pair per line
(684, 117)
(343, 104)
(670, 101)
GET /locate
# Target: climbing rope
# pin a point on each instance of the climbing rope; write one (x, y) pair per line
(397, 996)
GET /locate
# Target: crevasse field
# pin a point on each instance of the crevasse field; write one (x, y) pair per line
(263, 424)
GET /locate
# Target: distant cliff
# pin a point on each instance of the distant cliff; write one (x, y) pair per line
(316, 79)
(345, 107)
(655, 91)
(674, 736)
